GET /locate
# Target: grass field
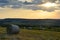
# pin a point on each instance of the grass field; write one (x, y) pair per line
(26, 34)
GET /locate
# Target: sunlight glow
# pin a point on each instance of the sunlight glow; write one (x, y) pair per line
(49, 4)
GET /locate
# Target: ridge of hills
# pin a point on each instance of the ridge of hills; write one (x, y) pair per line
(55, 22)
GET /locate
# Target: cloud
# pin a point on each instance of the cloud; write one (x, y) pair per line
(18, 4)
(3, 1)
(37, 7)
(52, 0)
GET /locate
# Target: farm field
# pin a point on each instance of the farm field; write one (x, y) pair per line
(26, 34)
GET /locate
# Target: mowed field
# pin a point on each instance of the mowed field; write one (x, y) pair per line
(26, 34)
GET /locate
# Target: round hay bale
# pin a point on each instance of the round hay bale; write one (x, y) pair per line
(13, 29)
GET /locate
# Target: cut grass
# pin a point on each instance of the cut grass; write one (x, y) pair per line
(26, 34)
(40, 35)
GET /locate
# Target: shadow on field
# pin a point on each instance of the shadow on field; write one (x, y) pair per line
(5, 36)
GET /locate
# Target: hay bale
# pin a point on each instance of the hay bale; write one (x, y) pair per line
(13, 29)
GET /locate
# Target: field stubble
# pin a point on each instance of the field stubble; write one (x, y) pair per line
(26, 34)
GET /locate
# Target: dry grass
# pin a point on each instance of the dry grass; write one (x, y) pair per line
(30, 35)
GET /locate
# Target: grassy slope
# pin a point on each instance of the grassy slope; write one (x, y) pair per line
(31, 35)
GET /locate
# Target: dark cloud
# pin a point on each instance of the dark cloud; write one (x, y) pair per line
(4, 1)
(52, 0)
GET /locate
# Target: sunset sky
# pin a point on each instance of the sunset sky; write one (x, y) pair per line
(35, 10)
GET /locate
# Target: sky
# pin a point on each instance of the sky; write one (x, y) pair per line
(33, 10)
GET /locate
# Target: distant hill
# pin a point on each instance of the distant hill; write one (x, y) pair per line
(53, 22)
